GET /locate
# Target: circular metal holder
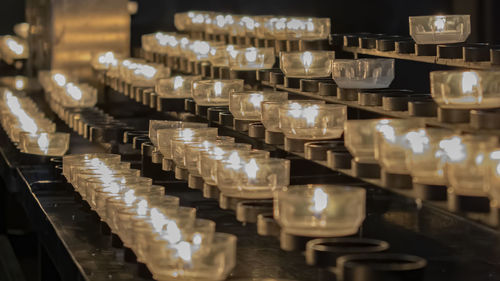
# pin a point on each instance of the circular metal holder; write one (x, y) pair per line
(269, 43)
(308, 45)
(210, 191)
(347, 94)
(450, 51)
(312, 85)
(339, 158)
(214, 72)
(195, 182)
(327, 89)
(464, 203)
(404, 47)
(241, 125)
(256, 130)
(397, 181)
(476, 52)
(153, 101)
(294, 145)
(495, 55)
(381, 267)
(370, 98)
(425, 49)
(276, 78)
(170, 104)
(201, 110)
(181, 174)
(291, 82)
(369, 169)
(138, 141)
(316, 150)
(422, 108)
(324, 252)
(226, 119)
(156, 156)
(351, 40)
(430, 191)
(247, 211)
(395, 102)
(453, 116)
(485, 119)
(263, 75)
(213, 113)
(167, 165)
(227, 202)
(368, 41)
(387, 43)
(224, 72)
(250, 76)
(190, 106)
(273, 137)
(267, 226)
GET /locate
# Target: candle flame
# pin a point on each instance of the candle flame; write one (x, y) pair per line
(255, 99)
(251, 169)
(439, 23)
(306, 59)
(43, 142)
(454, 149)
(251, 54)
(218, 88)
(319, 200)
(74, 91)
(178, 82)
(14, 46)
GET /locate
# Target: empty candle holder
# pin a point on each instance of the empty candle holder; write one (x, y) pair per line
(426, 159)
(363, 73)
(465, 89)
(270, 120)
(320, 210)
(359, 138)
(440, 29)
(308, 64)
(215, 92)
(165, 136)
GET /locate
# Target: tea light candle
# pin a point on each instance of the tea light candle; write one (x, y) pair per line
(194, 149)
(359, 138)
(312, 120)
(465, 89)
(390, 143)
(425, 156)
(308, 64)
(308, 28)
(270, 115)
(47, 144)
(440, 29)
(466, 163)
(12, 48)
(207, 164)
(246, 105)
(155, 125)
(252, 58)
(321, 210)
(164, 137)
(363, 73)
(219, 55)
(252, 177)
(175, 87)
(215, 92)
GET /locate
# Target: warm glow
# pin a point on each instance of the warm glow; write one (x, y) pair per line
(418, 141)
(251, 169)
(158, 220)
(388, 132)
(251, 54)
(256, 99)
(218, 88)
(310, 113)
(469, 82)
(454, 148)
(439, 23)
(172, 232)
(19, 84)
(234, 160)
(178, 82)
(142, 207)
(14, 46)
(43, 142)
(74, 91)
(60, 79)
(306, 59)
(108, 59)
(147, 71)
(319, 201)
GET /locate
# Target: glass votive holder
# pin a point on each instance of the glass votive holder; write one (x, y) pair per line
(307, 28)
(175, 87)
(104, 61)
(207, 164)
(219, 55)
(193, 150)
(246, 105)
(155, 125)
(187, 262)
(252, 58)
(215, 92)
(165, 136)
(425, 156)
(359, 138)
(363, 73)
(390, 143)
(178, 148)
(46, 144)
(71, 159)
(77, 95)
(312, 121)
(466, 89)
(467, 163)
(308, 64)
(269, 113)
(146, 74)
(440, 29)
(321, 210)
(253, 177)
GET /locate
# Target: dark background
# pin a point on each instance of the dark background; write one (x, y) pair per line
(376, 16)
